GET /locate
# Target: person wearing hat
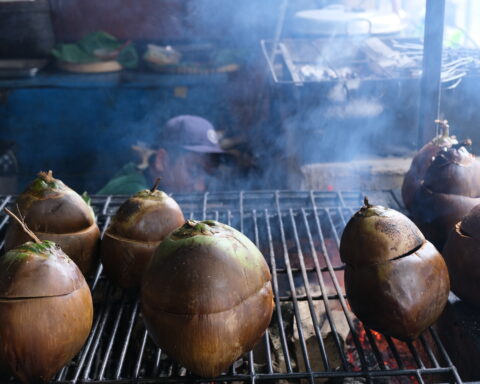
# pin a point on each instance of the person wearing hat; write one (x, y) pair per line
(185, 158)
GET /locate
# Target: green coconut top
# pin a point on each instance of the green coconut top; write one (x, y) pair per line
(49, 206)
(152, 193)
(46, 184)
(218, 235)
(204, 267)
(147, 216)
(37, 269)
(43, 249)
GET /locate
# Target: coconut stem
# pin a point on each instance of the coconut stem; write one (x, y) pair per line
(23, 225)
(46, 176)
(366, 203)
(191, 223)
(445, 128)
(155, 186)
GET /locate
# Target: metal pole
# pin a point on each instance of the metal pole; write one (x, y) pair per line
(432, 67)
(278, 29)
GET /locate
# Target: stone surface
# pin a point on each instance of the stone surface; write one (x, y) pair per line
(371, 174)
(313, 348)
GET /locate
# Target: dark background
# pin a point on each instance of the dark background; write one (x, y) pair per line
(82, 126)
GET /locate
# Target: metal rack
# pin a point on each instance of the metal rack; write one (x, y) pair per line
(299, 234)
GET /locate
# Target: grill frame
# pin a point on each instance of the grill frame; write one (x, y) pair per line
(322, 213)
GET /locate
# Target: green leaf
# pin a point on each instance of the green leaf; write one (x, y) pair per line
(98, 40)
(83, 52)
(72, 53)
(87, 198)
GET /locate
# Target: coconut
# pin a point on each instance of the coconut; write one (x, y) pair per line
(462, 254)
(136, 230)
(206, 296)
(56, 213)
(450, 189)
(422, 161)
(396, 281)
(46, 310)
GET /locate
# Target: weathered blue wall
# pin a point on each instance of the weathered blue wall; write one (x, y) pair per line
(82, 127)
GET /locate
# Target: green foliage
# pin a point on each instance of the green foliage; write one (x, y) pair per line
(39, 185)
(73, 53)
(83, 51)
(86, 197)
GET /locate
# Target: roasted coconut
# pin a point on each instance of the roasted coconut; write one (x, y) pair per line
(46, 311)
(442, 185)
(462, 254)
(422, 161)
(449, 190)
(396, 281)
(136, 230)
(206, 296)
(55, 212)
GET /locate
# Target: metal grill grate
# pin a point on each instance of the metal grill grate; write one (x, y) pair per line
(313, 336)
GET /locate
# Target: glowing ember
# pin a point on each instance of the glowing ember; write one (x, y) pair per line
(385, 353)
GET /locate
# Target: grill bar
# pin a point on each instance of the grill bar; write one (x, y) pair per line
(413, 351)
(280, 376)
(292, 289)
(278, 307)
(112, 339)
(324, 296)
(86, 349)
(444, 354)
(318, 334)
(299, 234)
(127, 340)
(96, 342)
(337, 287)
(157, 362)
(395, 352)
(266, 338)
(376, 351)
(429, 351)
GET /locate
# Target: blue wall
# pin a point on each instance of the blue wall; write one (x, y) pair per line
(82, 127)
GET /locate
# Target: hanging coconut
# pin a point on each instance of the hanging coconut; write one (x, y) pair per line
(449, 190)
(422, 161)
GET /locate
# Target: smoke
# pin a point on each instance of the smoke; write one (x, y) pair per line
(87, 129)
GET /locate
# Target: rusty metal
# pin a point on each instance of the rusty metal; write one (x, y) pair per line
(298, 233)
